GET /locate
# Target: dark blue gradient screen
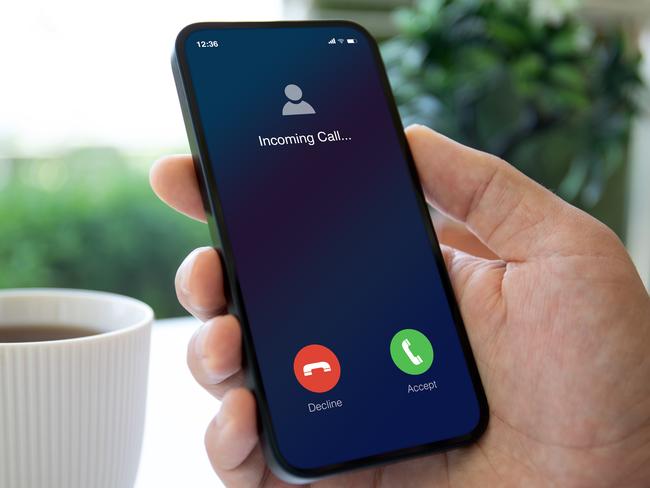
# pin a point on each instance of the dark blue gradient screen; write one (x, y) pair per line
(328, 241)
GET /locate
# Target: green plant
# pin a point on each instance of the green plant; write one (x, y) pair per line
(89, 220)
(552, 96)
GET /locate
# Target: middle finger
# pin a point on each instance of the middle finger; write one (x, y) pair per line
(199, 284)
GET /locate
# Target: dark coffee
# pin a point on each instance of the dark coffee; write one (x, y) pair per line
(41, 333)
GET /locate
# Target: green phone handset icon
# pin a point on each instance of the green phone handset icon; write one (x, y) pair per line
(406, 345)
(411, 351)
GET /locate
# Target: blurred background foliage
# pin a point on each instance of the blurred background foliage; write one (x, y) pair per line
(549, 93)
(87, 219)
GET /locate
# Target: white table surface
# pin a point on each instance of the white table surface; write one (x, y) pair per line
(178, 412)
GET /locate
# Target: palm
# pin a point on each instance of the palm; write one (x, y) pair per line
(554, 364)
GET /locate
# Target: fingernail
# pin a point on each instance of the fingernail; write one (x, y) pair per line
(185, 272)
(204, 355)
(199, 342)
(222, 418)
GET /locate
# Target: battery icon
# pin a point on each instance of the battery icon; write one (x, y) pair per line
(351, 41)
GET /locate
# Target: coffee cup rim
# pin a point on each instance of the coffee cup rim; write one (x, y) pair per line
(146, 318)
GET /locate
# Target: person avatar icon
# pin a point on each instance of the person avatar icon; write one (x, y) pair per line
(293, 106)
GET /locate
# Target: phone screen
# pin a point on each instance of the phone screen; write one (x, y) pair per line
(351, 319)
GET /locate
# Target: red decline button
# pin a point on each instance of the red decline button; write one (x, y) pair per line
(317, 368)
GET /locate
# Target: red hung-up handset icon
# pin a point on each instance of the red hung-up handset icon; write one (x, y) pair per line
(317, 368)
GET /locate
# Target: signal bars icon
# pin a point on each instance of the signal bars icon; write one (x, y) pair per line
(331, 41)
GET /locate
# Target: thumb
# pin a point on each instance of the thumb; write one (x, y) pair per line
(477, 286)
(510, 213)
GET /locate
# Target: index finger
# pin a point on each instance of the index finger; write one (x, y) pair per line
(173, 179)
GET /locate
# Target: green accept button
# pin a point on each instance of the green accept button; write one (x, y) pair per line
(411, 351)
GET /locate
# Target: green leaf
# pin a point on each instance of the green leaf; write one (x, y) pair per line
(575, 179)
(563, 44)
(528, 67)
(567, 76)
(506, 33)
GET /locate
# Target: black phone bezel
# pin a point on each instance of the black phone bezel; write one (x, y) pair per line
(279, 465)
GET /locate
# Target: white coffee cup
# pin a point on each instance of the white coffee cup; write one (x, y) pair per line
(72, 411)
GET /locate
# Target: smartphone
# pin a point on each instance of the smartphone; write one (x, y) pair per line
(354, 345)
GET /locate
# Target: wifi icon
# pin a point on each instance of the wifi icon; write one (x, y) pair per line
(340, 41)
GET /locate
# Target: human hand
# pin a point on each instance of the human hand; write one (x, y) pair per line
(559, 324)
